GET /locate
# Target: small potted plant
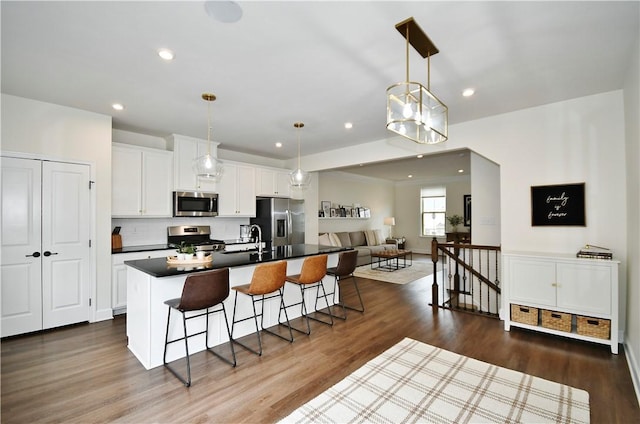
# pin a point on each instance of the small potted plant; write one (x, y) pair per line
(185, 251)
(454, 221)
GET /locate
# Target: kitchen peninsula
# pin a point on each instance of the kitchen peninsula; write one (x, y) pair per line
(150, 282)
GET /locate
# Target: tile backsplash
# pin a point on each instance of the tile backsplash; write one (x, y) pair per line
(145, 231)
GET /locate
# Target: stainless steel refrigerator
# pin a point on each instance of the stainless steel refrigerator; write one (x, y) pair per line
(281, 221)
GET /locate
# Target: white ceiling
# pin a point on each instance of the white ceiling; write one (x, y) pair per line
(320, 62)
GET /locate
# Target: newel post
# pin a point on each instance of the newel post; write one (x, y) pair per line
(434, 285)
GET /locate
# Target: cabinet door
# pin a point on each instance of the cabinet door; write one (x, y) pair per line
(119, 286)
(283, 189)
(126, 180)
(227, 189)
(584, 288)
(532, 282)
(185, 152)
(156, 183)
(246, 190)
(265, 182)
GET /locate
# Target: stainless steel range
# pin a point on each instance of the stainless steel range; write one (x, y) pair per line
(198, 235)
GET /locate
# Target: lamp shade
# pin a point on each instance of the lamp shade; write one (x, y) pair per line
(389, 221)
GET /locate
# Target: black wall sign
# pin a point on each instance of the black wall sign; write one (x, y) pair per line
(561, 204)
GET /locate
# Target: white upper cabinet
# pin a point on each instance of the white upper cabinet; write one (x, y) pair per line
(185, 151)
(236, 191)
(141, 182)
(272, 182)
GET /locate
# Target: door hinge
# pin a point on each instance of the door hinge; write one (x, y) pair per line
(91, 182)
(89, 301)
(89, 242)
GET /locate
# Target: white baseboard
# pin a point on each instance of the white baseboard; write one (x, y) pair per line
(634, 369)
(103, 314)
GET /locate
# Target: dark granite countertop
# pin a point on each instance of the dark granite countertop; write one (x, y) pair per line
(158, 267)
(142, 248)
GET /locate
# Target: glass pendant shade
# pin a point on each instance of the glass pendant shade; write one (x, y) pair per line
(208, 167)
(299, 179)
(415, 113)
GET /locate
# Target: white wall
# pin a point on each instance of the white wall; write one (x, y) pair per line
(485, 201)
(341, 188)
(44, 130)
(407, 206)
(632, 129)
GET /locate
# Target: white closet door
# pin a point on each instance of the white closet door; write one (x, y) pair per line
(65, 243)
(20, 271)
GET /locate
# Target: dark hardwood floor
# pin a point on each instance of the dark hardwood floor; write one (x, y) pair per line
(86, 374)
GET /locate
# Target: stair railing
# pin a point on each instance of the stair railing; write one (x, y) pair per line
(466, 277)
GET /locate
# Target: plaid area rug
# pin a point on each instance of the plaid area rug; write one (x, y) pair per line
(416, 382)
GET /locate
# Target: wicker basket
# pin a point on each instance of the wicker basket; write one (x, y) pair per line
(594, 327)
(556, 320)
(524, 314)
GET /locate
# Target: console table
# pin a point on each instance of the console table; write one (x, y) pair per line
(562, 295)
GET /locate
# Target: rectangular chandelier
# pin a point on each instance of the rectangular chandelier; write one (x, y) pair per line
(412, 110)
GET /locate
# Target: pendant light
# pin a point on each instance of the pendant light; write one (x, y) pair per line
(208, 167)
(298, 178)
(412, 110)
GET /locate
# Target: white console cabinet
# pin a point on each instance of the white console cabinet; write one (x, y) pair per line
(119, 275)
(580, 290)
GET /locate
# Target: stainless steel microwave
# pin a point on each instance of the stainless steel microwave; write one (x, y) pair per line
(195, 203)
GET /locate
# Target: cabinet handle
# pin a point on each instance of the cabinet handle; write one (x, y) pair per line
(34, 255)
(47, 253)
(554, 284)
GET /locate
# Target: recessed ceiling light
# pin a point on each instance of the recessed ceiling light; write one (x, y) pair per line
(460, 171)
(278, 144)
(409, 176)
(166, 54)
(117, 106)
(420, 156)
(348, 125)
(468, 92)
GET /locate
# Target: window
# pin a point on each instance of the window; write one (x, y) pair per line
(433, 208)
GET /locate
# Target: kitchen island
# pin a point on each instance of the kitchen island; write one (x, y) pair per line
(150, 282)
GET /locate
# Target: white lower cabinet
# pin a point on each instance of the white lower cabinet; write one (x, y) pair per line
(581, 294)
(119, 275)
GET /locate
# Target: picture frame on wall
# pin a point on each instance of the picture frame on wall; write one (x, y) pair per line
(325, 205)
(558, 205)
(467, 210)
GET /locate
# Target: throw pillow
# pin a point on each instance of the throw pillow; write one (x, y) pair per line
(324, 240)
(370, 235)
(335, 241)
(379, 238)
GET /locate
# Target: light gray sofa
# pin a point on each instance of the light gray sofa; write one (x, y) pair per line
(365, 242)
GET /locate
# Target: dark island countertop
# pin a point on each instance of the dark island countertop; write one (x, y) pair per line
(152, 247)
(158, 267)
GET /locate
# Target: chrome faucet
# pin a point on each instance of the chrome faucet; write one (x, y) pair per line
(259, 243)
